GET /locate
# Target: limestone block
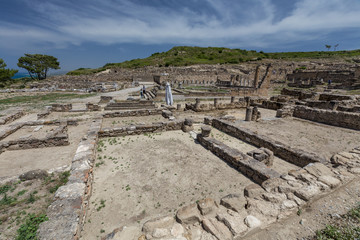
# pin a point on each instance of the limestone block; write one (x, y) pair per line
(188, 214)
(329, 180)
(162, 222)
(274, 197)
(318, 169)
(307, 192)
(207, 206)
(234, 221)
(34, 174)
(233, 202)
(216, 228)
(252, 222)
(253, 191)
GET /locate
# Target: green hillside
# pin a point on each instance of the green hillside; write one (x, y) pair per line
(185, 56)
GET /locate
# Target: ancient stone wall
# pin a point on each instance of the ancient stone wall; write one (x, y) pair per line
(11, 117)
(292, 155)
(68, 210)
(334, 118)
(141, 129)
(57, 138)
(248, 166)
(133, 113)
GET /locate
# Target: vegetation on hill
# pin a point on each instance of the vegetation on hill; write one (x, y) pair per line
(185, 56)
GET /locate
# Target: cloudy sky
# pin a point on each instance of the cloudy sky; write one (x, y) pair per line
(91, 33)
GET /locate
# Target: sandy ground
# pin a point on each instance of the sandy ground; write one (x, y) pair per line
(20, 161)
(153, 175)
(126, 121)
(280, 165)
(313, 137)
(315, 215)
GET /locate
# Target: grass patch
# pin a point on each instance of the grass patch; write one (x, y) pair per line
(28, 229)
(42, 98)
(348, 227)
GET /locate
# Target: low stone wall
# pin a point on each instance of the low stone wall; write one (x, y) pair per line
(93, 107)
(331, 105)
(44, 113)
(57, 138)
(134, 113)
(292, 155)
(270, 105)
(297, 93)
(336, 97)
(61, 107)
(141, 129)
(216, 106)
(68, 210)
(11, 117)
(11, 129)
(253, 169)
(334, 118)
(349, 109)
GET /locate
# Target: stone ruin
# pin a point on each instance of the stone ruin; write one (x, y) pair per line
(271, 196)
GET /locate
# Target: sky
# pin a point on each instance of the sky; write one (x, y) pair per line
(91, 33)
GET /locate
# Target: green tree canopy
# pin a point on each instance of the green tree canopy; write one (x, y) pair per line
(38, 64)
(6, 74)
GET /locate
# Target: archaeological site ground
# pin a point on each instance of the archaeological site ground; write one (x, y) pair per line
(268, 149)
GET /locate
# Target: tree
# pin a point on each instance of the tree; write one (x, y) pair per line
(38, 65)
(328, 47)
(6, 74)
(335, 46)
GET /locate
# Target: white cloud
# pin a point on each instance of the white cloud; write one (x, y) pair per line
(227, 23)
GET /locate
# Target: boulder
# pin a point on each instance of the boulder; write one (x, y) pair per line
(34, 174)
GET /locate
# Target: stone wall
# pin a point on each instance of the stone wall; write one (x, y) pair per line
(57, 138)
(68, 210)
(293, 155)
(11, 117)
(61, 107)
(253, 169)
(141, 129)
(198, 107)
(133, 113)
(334, 118)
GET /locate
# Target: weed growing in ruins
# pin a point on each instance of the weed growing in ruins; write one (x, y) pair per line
(62, 180)
(102, 205)
(346, 228)
(29, 228)
(99, 163)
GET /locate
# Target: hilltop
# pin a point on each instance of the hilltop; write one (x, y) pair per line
(185, 56)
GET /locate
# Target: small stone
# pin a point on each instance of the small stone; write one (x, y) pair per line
(252, 222)
(161, 222)
(302, 221)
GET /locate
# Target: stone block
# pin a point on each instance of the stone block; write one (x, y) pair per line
(234, 202)
(253, 191)
(332, 182)
(188, 214)
(234, 221)
(307, 192)
(207, 206)
(205, 131)
(166, 222)
(216, 228)
(34, 174)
